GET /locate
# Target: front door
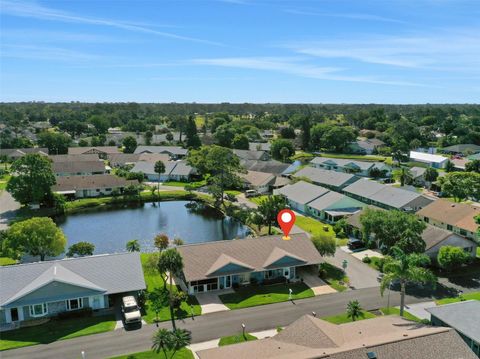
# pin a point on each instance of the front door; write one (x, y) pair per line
(286, 272)
(228, 281)
(14, 314)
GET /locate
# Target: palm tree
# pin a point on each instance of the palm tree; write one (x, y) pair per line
(177, 241)
(133, 246)
(171, 261)
(354, 310)
(162, 340)
(180, 339)
(269, 208)
(405, 268)
(403, 175)
(159, 168)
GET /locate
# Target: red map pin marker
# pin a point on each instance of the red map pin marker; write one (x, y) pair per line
(286, 220)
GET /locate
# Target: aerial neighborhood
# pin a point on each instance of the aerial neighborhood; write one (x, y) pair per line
(135, 232)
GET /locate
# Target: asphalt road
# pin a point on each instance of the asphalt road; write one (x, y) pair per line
(8, 206)
(209, 326)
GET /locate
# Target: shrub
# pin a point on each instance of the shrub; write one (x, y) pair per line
(367, 260)
(79, 313)
(450, 257)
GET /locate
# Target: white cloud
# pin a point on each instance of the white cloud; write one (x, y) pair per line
(37, 11)
(350, 16)
(45, 53)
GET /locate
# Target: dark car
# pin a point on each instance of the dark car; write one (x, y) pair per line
(355, 244)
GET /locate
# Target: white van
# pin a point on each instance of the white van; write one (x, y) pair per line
(130, 310)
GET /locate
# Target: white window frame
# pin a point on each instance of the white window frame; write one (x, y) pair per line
(80, 304)
(44, 310)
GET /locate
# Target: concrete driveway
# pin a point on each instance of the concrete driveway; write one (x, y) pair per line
(8, 207)
(311, 278)
(211, 303)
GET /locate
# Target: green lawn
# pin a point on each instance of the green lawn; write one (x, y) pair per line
(56, 329)
(343, 318)
(258, 199)
(396, 311)
(374, 263)
(314, 227)
(5, 261)
(466, 296)
(341, 242)
(334, 276)
(3, 182)
(233, 192)
(181, 354)
(478, 252)
(356, 157)
(251, 296)
(234, 339)
(154, 281)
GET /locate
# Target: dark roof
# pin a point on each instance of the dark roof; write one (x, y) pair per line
(19, 152)
(270, 166)
(69, 183)
(462, 148)
(462, 316)
(78, 167)
(250, 155)
(109, 274)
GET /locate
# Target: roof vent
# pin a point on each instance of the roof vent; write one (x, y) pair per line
(372, 355)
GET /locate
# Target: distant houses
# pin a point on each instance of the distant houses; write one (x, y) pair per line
(175, 152)
(252, 155)
(101, 151)
(366, 146)
(456, 217)
(14, 154)
(258, 181)
(174, 171)
(46, 289)
(123, 159)
(359, 168)
(90, 186)
(330, 179)
(435, 161)
(387, 197)
(462, 149)
(79, 168)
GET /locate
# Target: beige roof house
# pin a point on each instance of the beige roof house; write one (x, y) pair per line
(75, 168)
(100, 150)
(75, 158)
(71, 183)
(204, 260)
(257, 179)
(388, 337)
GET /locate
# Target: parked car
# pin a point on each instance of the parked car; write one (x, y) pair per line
(131, 310)
(355, 244)
(251, 193)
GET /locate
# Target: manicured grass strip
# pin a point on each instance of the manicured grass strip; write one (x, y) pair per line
(356, 157)
(181, 354)
(154, 281)
(396, 311)
(466, 296)
(314, 227)
(343, 318)
(5, 261)
(233, 192)
(235, 339)
(264, 294)
(334, 276)
(56, 329)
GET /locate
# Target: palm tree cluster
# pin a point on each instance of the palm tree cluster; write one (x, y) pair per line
(170, 341)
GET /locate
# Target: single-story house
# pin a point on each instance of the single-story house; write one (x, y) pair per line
(330, 179)
(359, 168)
(435, 161)
(223, 264)
(474, 157)
(459, 163)
(45, 289)
(90, 186)
(418, 175)
(299, 194)
(462, 149)
(461, 316)
(175, 152)
(270, 166)
(259, 181)
(174, 171)
(333, 206)
(434, 237)
(101, 151)
(74, 158)
(365, 147)
(79, 168)
(385, 337)
(387, 197)
(15, 153)
(259, 146)
(122, 159)
(252, 155)
(456, 217)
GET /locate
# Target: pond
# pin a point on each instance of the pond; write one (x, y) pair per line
(109, 230)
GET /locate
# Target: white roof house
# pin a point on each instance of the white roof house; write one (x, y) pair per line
(435, 161)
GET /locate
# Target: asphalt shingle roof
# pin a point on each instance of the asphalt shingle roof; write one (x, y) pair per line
(78, 167)
(111, 273)
(325, 177)
(68, 183)
(302, 192)
(85, 150)
(175, 150)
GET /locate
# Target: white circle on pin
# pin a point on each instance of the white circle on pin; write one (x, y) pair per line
(286, 217)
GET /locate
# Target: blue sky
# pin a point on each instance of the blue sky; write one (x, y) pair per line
(338, 51)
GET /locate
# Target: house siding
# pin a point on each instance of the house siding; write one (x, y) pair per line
(454, 229)
(455, 241)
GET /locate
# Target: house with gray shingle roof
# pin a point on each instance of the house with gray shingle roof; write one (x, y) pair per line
(45, 289)
(359, 168)
(387, 197)
(174, 171)
(299, 194)
(175, 152)
(330, 179)
(90, 186)
(222, 264)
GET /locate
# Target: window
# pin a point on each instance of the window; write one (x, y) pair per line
(449, 227)
(38, 310)
(73, 304)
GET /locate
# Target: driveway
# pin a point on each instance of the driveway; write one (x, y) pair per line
(360, 274)
(311, 279)
(8, 207)
(211, 303)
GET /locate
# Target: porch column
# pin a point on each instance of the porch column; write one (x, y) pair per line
(8, 315)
